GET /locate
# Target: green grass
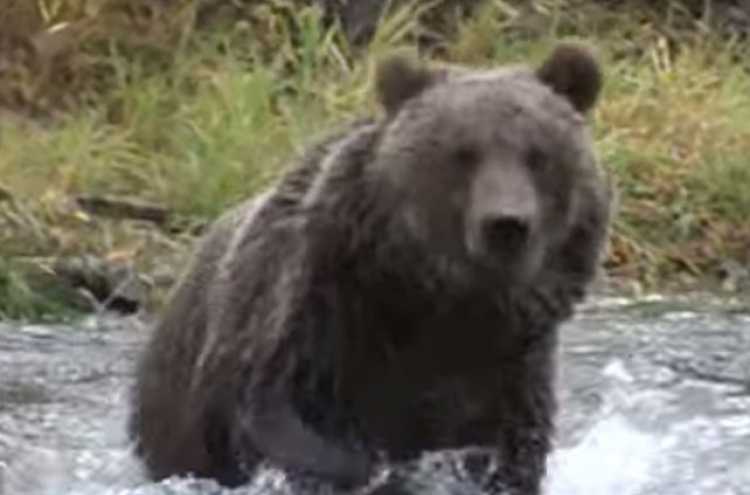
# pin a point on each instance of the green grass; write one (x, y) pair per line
(221, 117)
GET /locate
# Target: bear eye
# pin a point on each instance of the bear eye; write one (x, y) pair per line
(535, 159)
(465, 156)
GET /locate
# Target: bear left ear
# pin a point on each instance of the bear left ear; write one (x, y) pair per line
(400, 77)
(572, 71)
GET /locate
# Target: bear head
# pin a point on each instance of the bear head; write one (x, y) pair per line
(492, 169)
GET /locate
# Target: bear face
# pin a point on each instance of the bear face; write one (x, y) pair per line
(490, 168)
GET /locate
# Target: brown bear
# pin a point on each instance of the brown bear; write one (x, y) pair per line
(399, 291)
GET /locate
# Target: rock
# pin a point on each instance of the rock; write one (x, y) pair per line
(115, 285)
(733, 275)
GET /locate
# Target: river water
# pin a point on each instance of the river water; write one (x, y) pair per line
(655, 399)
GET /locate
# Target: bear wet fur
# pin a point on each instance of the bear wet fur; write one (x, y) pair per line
(398, 291)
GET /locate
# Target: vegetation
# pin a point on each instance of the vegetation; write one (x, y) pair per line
(153, 100)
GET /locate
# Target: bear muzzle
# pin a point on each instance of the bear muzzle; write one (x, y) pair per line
(505, 236)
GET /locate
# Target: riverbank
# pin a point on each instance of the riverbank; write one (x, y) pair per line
(129, 140)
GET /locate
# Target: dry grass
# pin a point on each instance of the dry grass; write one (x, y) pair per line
(196, 119)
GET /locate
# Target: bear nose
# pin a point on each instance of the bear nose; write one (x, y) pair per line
(505, 234)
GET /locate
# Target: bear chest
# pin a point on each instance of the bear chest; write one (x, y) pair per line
(447, 387)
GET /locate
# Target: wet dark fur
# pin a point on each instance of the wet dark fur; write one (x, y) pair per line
(379, 347)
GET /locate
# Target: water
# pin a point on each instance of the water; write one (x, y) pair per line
(655, 400)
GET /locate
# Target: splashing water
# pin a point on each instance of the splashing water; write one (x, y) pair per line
(655, 399)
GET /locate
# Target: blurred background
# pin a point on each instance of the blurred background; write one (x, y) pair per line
(126, 125)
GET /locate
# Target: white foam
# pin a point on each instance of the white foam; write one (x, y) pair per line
(613, 459)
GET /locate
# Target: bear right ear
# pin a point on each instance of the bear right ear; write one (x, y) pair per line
(572, 71)
(400, 77)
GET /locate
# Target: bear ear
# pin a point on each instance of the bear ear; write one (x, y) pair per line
(400, 77)
(572, 71)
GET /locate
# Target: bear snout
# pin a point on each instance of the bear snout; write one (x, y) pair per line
(505, 236)
(505, 245)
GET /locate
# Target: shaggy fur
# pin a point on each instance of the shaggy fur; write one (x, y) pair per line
(398, 291)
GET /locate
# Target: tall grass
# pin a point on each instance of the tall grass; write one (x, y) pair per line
(223, 114)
